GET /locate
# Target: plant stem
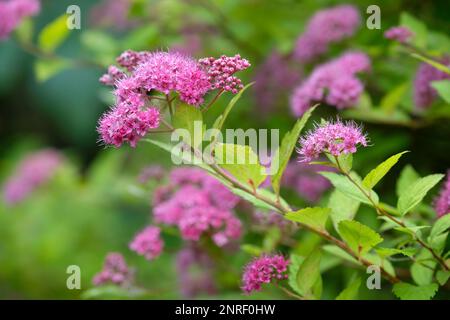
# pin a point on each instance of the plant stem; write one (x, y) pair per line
(380, 211)
(219, 93)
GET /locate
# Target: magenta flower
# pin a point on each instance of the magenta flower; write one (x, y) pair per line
(148, 243)
(334, 138)
(114, 74)
(34, 171)
(12, 12)
(400, 34)
(262, 270)
(334, 82)
(115, 270)
(424, 93)
(125, 123)
(442, 202)
(326, 27)
(221, 72)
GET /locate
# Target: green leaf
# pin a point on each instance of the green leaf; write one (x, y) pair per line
(340, 253)
(392, 99)
(252, 199)
(417, 27)
(54, 34)
(25, 30)
(375, 175)
(351, 292)
(251, 249)
(388, 252)
(45, 69)
(414, 194)
(341, 183)
(316, 217)
(442, 276)
(241, 162)
(189, 118)
(345, 161)
(433, 63)
(284, 152)
(342, 207)
(407, 177)
(294, 265)
(309, 273)
(443, 89)
(271, 239)
(406, 291)
(440, 226)
(422, 269)
(359, 237)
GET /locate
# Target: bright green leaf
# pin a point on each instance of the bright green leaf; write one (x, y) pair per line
(309, 273)
(407, 177)
(342, 207)
(443, 89)
(440, 226)
(359, 237)
(316, 217)
(417, 27)
(375, 175)
(351, 292)
(393, 98)
(45, 69)
(406, 291)
(189, 118)
(442, 276)
(54, 34)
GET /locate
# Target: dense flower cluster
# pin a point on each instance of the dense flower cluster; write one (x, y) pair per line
(335, 138)
(115, 270)
(127, 123)
(221, 72)
(442, 202)
(194, 270)
(334, 82)
(12, 12)
(400, 34)
(148, 243)
(273, 77)
(424, 93)
(305, 180)
(35, 170)
(326, 27)
(198, 204)
(263, 270)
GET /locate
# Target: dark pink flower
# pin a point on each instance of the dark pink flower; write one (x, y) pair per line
(148, 243)
(442, 202)
(400, 34)
(115, 270)
(424, 93)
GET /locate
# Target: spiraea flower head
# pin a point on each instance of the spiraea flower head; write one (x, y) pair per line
(399, 34)
(221, 72)
(262, 270)
(326, 27)
(335, 138)
(148, 243)
(115, 271)
(442, 202)
(12, 12)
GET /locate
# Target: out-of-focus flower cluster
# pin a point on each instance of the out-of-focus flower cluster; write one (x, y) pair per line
(334, 82)
(442, 202)
(12, 13)
(262, 270)
(148, 243)
(35, 170)
(194, 269)
(112, 13)
(326, 27)
(424, 93)
(198, 205)
(115, 271)
(335, 138)
(400, 34)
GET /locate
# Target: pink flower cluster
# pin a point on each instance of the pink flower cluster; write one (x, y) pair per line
(12, 12)
(400, 34)
(152, 172)
(194, 272)
(263, 270)
(198, 204)
(221, 72)
(334, 82)
(273, 78)
(112, 13)
(35, 170)
(326, 27)
(148, 243)
(442, 202)
(127, 123)
(335, 138)
(115, 270)
(304, 178)
(424, 93)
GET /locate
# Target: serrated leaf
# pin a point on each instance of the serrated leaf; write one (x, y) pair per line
(342, 207)
(315, 218)
(443, 89)
(360, 238)
(407, 177)
(309, 273)
(54, 34)
(406, 291)
(341, 183)
(414, 194)
(242, 162)
(422, 269)
(440, 226)
(189, 118)
(375, 175)
(442, 276)
(351, 292)
(388, 252)
(284, 152)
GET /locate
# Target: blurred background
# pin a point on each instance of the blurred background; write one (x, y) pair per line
(95, 203)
